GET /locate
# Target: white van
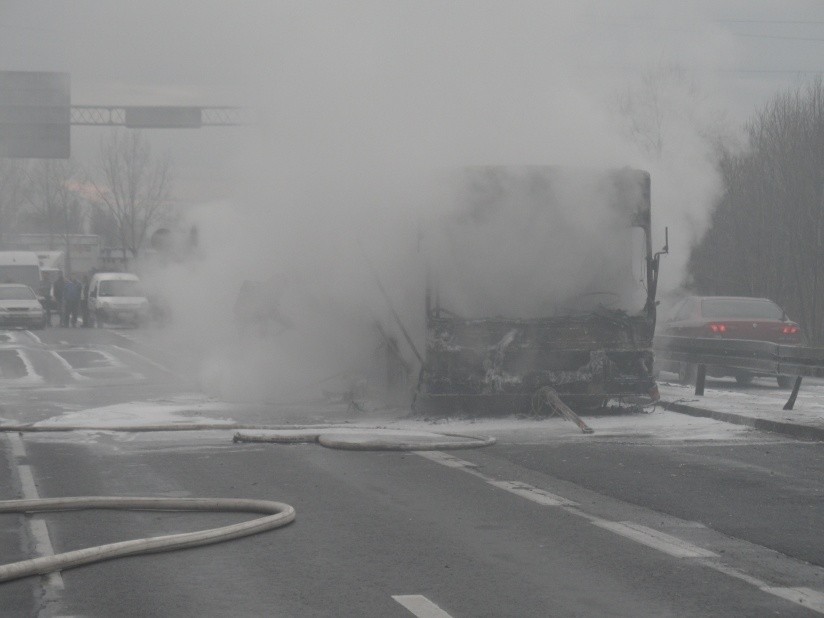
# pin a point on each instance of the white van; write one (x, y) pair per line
(117, 298)
(20, 267)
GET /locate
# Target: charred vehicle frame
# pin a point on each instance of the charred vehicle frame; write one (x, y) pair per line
(497, 366)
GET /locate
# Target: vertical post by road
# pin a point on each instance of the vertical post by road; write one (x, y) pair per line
(699, 379)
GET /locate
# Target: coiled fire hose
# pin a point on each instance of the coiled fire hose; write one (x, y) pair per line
(277, 514)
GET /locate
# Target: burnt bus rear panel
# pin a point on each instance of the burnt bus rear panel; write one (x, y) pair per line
(494, 366)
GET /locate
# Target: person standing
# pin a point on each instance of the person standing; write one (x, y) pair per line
(71, 300)
(58, 290)
(84, 302)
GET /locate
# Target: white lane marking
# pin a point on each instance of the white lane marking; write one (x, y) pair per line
(67, 366)
(807, 597)
(37, 526)
(144, 359)
(111, 358)
(531, 493)
(420, 606)
(26, 477)
(450, 461)
(35, 337)
(18, 450)
(523, 490)
(114, 363)
(653, 538)
(31, 377)
(811, 599)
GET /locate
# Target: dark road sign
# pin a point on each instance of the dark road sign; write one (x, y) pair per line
(34, 115)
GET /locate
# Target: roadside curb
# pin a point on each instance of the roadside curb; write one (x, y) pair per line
(801, 432)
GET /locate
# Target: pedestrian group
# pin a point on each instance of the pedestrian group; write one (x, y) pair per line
(68, 297)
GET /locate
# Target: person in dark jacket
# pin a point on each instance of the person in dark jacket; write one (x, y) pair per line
(84, 302)
(71, 300)
(58, 290)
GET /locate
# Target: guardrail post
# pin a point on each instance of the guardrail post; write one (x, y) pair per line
(701, 375)
(791, 401)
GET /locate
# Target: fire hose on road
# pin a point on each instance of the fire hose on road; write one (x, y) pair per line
(277, 514)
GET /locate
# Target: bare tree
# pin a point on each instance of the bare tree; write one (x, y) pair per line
(55, 207)
(767, 237)
(662, 99)
(133, 188)
(103, 223)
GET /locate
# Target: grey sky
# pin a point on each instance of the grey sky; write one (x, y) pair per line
(309, 60)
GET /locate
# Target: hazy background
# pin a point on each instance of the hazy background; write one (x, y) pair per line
(356, 105)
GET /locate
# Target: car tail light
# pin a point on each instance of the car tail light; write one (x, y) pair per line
(718, 328)
(790, 330)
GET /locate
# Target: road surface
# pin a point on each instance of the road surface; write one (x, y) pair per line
(656, 514)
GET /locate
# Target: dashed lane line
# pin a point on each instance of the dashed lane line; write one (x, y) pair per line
(657, 540)
(523, 490)
(420, 606)
(811, 599)
(38, 530)
(649, 537)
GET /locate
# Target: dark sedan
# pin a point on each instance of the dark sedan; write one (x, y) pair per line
(730, 317)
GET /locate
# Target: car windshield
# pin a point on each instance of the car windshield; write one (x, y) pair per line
(740, 308)
(17, 293)
(120, 287)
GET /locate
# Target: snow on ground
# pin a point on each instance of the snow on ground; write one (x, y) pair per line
(657, 424)
(756, 401)
(173, 411)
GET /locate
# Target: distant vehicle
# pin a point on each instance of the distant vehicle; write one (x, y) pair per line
(117, 298)
(19, 306)
(21, 267)
(730, 317)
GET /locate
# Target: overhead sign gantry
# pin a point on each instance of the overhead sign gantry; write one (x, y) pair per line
(36, 115)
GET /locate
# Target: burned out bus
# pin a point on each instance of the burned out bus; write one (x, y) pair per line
(540, 277)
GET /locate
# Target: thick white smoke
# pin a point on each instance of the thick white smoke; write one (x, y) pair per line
(360, 108)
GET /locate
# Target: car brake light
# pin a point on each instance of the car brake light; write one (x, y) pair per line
(718, 328)
(790, 330)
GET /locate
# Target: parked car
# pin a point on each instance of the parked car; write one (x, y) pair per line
(19, 306)
(730, 317)
(117, 298)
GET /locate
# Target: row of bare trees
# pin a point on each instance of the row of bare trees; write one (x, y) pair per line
(767, 232)
(123, 198)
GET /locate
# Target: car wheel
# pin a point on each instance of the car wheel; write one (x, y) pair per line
(785, 381)
(687, 373)
(744, 379)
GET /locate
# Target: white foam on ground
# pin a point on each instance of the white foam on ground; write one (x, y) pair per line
(753, 402)
(138, 413)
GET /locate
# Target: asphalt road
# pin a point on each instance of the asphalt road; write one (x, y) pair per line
(653, 515)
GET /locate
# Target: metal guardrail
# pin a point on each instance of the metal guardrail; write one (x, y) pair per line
(757, 356)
